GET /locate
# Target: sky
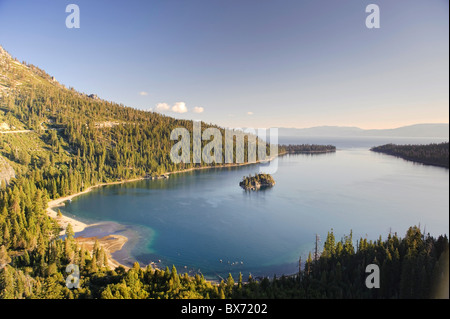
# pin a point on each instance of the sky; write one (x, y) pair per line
(246, 63)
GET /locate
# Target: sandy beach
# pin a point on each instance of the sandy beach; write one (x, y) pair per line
(63, 221)
(111, 243)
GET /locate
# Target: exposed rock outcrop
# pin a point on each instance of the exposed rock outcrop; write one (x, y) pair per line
(6, 172)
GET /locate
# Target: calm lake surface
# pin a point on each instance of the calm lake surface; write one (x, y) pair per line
(202, 221)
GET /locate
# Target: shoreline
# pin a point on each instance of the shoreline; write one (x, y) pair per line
(110, 243)
(411, 159)
(113, 242)
(77, 225)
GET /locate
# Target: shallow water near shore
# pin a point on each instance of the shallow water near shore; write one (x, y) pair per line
(203, 222)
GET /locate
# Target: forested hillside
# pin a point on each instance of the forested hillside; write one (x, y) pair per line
(59, 142)
(415, 266)
(431, 154)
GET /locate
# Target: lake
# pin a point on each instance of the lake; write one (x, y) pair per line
(203, 222)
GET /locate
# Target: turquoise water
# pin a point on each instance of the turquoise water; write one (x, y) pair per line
(202, 221)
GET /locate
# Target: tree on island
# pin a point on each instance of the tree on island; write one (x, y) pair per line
(256, 182)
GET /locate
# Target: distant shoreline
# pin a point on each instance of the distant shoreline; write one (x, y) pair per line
(417, 153)
(311, 152)
(413, 160)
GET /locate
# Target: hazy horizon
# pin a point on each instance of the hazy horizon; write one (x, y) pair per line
(292, 127)
(290, 64)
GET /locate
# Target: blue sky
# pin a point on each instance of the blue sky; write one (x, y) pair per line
(257, 63)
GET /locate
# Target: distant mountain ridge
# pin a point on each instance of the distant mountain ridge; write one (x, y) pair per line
(439, 130)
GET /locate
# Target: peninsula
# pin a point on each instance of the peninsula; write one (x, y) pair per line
(307, 148)
(431, 154)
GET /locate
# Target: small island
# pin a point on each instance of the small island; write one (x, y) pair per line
(257, 182)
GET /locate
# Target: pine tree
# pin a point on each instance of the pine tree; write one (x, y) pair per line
(308, 265)
(329, 248)
(230, 285)
(69, 231)
(4, 257)
(7, 289)
(240, 281)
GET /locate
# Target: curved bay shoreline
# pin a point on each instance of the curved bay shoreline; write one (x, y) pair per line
(111, 242)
